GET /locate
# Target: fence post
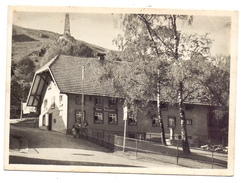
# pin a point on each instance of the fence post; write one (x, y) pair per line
(109, 141)
(177, 152)
(124, 139)
(212, 159)
(103, 139)
(136, 147)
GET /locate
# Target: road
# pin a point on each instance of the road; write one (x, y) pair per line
(42, 147)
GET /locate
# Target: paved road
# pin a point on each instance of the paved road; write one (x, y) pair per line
(40, 147)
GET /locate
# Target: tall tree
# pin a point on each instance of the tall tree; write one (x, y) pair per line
(139, 83)
(216, 90)
(21, 81)
(157, 38)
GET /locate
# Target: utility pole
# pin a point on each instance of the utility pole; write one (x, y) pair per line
(21, 110)
(125, 119)
(82, 99)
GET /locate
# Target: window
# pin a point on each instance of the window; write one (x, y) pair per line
(164, 106)
(60, 100)
(78, 116)
(52, 102)
(44, 120)
(132, 115)
(98, 117)
(61, 113)
(155, 121)
(171, 122)
(131, 135)
(98, 101)
(78, 99)
(188, 107)
(188, 121)
(45, 104)
(132, 118)
(112, 102)
(112, 118)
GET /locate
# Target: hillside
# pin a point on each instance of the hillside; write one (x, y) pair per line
(41, 45)
(33, 48)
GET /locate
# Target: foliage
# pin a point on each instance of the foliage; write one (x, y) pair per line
(216, 89)
(155, 38)
(68, 46)
(16, 92)
(134, 80)
(21, 80)
(187, 73)
(114, 55)
(25, 69)
(216, 84)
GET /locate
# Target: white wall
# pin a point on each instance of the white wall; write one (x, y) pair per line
(60, 118)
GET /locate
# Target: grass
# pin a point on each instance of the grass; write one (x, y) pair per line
(27, 41)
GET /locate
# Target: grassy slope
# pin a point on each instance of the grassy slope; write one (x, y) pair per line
(35, 40)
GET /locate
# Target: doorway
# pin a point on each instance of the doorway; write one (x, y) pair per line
(50, 122)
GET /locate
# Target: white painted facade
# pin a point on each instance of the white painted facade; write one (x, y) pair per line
(54, 105)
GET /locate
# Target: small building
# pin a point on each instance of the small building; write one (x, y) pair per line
(56, 92)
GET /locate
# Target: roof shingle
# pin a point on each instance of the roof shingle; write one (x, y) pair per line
(67, 72)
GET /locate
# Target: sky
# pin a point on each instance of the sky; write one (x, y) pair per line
(92, 28)
(98, 28)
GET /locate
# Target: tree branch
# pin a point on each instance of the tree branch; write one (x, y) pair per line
(176, 36)
(189, 93)
(150, 30)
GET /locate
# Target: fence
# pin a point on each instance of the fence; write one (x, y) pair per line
(154, 150)
(169, 154)
(100, 137)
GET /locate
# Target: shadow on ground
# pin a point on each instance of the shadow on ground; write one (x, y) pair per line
(25, 160)
(40, 138)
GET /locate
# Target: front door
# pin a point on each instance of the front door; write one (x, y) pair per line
(50, 122)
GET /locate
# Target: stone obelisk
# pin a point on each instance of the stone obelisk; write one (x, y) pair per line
(67, 25)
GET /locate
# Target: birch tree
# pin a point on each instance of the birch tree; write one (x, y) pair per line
(157, 39)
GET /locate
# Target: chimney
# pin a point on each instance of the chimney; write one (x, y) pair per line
(101, 56)
(67, 25)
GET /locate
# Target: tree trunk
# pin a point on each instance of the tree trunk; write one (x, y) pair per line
(159, 115)
(185, 145)
(163, 138)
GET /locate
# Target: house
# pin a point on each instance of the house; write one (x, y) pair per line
(68, 90)
(57, 89)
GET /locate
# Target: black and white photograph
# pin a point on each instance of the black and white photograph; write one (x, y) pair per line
(118, 90)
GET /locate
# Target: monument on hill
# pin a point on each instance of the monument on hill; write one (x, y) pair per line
(66, 37)
(67, 25)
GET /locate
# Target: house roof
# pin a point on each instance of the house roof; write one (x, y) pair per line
(41, 80)
(66, 72)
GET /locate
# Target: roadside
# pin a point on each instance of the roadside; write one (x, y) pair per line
(172, 160)
(52, 148)
(38, 146)
(18, 143)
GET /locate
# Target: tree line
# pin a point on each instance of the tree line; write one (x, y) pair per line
(170, 64)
